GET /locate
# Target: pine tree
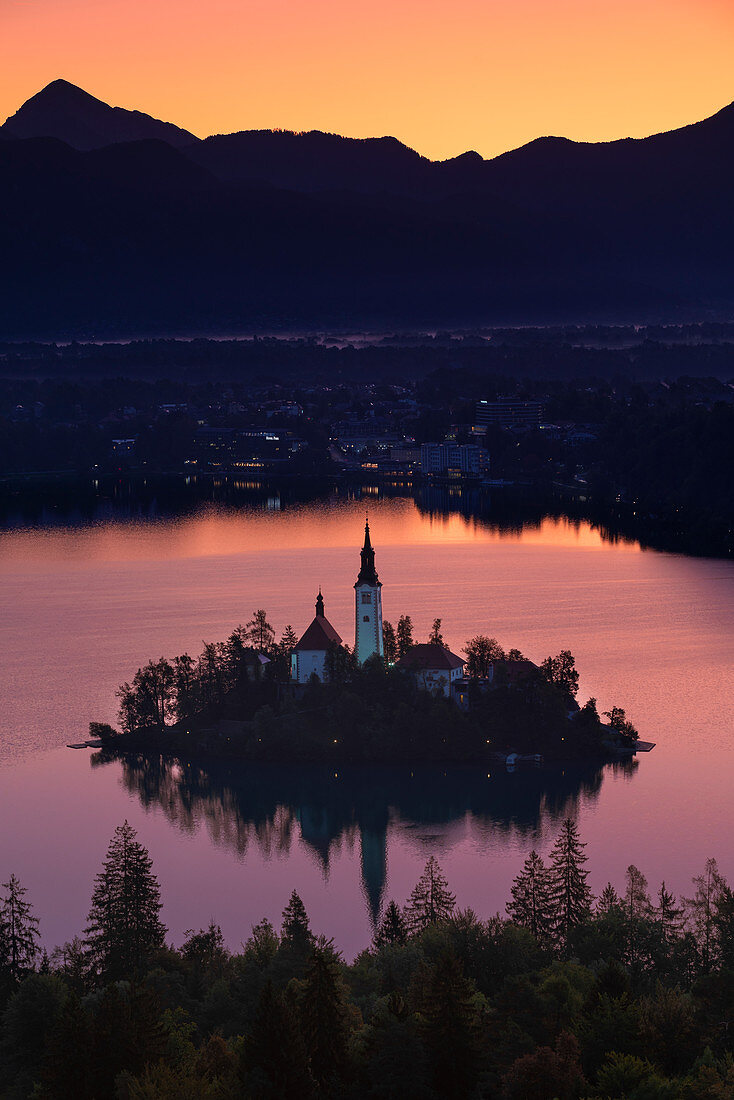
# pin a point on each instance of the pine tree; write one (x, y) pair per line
(450, 1029)
(288, 640)
(18, 931)
(431, 900)
(274, 1059)
(570, 895)
(259, 631)
(531, 905)
(637, 904)
(436, 637)
(392, 928)
(295, 930)
(124, 923)
(608, 900)
(724, 926)
(702, 909)
(324, 1021)
(669, 916)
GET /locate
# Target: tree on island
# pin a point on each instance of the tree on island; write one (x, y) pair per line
(532, 906)
(389, 642)
(288, 641)
(570, 895)
(561, 670)
(431, 900)
(436, 637)
(259, 631)
(124, 927)
(618, 721)
(150, 699)
(404, 634)
(18, 932)
(480, 652)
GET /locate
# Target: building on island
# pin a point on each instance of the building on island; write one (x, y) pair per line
(309, 656)
(434, 667)
(368, 605)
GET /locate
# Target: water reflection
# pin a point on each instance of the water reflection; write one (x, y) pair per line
(273, 808)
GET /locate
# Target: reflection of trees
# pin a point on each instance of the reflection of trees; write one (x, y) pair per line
(241, 804)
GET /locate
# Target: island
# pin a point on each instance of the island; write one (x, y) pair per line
(387, 699)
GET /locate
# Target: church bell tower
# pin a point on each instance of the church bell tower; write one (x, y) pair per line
(368, 605)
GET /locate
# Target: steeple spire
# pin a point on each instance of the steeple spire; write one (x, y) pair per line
(367, 572)
(320, 604)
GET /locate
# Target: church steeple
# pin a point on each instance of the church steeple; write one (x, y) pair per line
(368, 605)
(320, 604)
(367, 572)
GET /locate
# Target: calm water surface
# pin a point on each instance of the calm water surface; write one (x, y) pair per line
(84, 606)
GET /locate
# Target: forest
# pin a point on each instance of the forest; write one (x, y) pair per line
(231, 702)
(566, 995)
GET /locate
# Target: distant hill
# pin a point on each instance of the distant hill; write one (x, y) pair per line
(273, 230)
(63, 111)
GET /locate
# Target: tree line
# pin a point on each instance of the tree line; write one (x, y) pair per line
(568, 996)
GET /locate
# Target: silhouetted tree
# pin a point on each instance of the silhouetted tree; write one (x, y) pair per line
(561, 670)
(124, 927)
(449, 1030)
(295, 930)
(480, 652)
(431, 900)
(531, 906)
(669, 916)
(436, 637)
(389, 642)
(19, 933)
(392, 929)
(569, 892)
(701, 911)
(618, 721)
(325, 1022)
(150, 700)
(259, 631)
(274, 1060)
(404, 634)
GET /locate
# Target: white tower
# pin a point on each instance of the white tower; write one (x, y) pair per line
(368, 605)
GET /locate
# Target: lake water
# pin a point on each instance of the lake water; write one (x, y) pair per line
(84, 605)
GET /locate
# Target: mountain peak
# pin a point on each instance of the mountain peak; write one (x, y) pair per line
(67, 112)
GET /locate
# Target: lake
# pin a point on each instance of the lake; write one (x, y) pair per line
(86, 602)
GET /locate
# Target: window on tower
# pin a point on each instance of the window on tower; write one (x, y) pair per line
(366, 597)
(365, 618)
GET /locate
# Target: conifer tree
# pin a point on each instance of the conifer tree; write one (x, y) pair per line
(531, 905)
(569, 892)
(124, 923)
(637, 904)
(18, 931)
(608, 900)
(324, 1021)
(724, 927)
(392, 929)
(288, 640)
(295, 930)
(436, 637)
(431, 900)
(259, 631)
(701, 909)
(274, 1060)
(669, 915)
(450, 1029)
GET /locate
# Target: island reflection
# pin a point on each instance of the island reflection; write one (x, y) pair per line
(273, 806)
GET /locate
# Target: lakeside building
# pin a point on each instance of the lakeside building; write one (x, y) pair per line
(453, 460)
(309, 658)
(506, 413)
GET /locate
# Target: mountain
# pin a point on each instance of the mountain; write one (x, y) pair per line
(265, 231)
(63, 111)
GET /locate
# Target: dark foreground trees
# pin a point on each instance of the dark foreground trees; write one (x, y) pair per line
(125, 928)
(628, 998)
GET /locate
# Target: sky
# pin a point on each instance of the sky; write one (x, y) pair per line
(443, 76)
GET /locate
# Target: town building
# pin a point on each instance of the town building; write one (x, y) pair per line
(453, 460)
(507, 413)
(434, 667)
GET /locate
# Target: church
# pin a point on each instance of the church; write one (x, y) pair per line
(309, 657)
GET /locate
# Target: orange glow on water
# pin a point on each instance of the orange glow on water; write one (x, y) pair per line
(443, 77)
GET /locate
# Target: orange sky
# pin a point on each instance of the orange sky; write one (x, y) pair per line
(442, 75)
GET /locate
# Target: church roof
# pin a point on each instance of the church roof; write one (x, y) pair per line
(426, 655)
(319, 635)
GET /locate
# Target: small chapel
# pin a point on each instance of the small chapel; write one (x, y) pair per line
(310, 655)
